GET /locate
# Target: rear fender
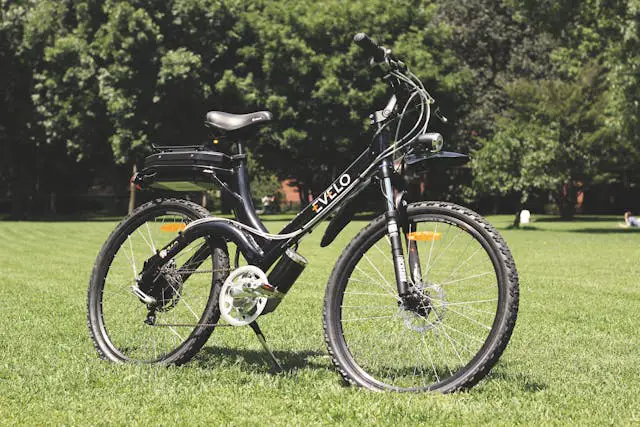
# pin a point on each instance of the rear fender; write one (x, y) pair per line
(220, 227)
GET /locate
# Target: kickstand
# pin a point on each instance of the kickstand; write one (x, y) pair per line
(276, 363)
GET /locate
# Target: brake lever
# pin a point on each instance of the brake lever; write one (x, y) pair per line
(395, 62)
(439, 115)
(390, 63)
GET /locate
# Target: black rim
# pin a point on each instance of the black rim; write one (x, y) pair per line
(473, 363)
(109, 333)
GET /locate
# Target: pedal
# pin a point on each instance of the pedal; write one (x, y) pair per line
(269, 291)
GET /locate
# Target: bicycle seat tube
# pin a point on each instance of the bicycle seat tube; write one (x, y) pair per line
(244, 210)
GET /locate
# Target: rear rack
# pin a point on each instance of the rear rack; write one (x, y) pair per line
(184, 168)
(207, 147)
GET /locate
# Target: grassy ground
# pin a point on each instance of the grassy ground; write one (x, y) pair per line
(573, 357)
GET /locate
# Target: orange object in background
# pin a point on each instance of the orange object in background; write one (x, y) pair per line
(424, 235)
(173, 227)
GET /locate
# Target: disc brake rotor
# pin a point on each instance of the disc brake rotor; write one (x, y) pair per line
(239, 302)
(429, 316)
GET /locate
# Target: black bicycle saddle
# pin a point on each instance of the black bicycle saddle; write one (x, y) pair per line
(229, 122)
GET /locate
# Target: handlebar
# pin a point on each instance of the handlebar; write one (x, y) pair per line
(370, 47)
(409, 92)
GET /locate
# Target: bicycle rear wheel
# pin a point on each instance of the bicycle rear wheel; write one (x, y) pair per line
(454, 329)
(126, 329)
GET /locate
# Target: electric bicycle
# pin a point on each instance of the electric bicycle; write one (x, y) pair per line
(424, 298)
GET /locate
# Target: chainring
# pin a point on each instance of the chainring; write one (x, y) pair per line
(238, 302)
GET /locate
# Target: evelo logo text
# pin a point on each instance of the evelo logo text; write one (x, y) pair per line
(336, 188)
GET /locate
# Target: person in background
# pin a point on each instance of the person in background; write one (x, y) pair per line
(630, 221)
(267, 204)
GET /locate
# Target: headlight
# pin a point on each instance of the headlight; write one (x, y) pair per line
(432, 141)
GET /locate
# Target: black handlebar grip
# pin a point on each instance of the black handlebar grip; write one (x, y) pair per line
(370, 47)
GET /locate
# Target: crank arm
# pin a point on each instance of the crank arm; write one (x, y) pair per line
(266, 290)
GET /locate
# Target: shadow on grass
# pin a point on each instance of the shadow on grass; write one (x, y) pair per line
(522, 228)
(579, 218)
(617, 230)
(522, 380)
(257, 360)
(292, 361)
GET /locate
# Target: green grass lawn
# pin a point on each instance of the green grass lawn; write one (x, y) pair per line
(573, 358)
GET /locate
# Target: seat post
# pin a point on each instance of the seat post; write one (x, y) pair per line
(239, 148)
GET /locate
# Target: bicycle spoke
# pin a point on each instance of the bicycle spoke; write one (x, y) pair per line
(470, 319)
(433, 240)
(132, 259)
(433, 366)
(475, 276)
(367, 318)
(418, 344)
(390, 293)
(372, 293)
(181, 302)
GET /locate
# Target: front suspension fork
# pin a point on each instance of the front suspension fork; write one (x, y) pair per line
(394, 229)
(415, 271)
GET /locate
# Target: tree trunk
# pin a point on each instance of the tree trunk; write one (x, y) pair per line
(566, 200)
(132, 191)
(303, 192)
(18, 206)
(20, 193)
(516, 220)
(52, 203)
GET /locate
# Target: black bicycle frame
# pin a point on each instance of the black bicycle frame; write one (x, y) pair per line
(352, 180)
(262, 249)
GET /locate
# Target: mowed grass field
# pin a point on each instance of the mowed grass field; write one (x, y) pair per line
(573, 359)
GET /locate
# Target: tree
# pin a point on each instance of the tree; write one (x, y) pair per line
(301, 63)
(119, 76)
(496, 45)
(91, 85)
(574, 126)
(554, 138)
(19, 129)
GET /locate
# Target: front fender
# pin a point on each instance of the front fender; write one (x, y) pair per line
(442, 159)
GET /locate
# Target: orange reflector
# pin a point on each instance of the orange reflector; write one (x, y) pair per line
(423, 235)
(172, 227)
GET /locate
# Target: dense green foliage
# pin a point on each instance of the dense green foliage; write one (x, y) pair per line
(572, 359)
(545, 93)
(576, 124)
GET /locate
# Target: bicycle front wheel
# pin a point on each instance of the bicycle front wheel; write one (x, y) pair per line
(454, 328)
